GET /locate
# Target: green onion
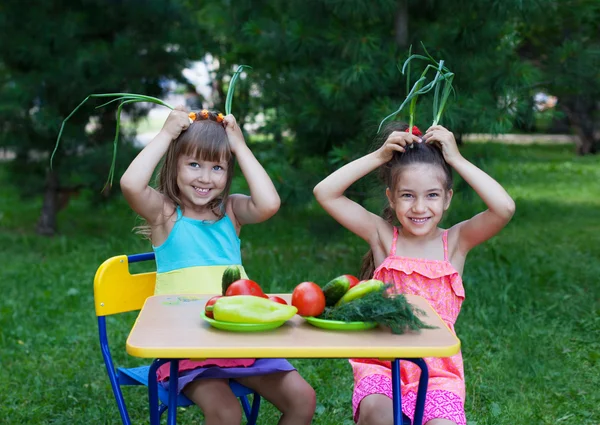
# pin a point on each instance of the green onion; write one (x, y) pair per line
(124, 98)
(234, 78)
(420, 88)
(438, 108)
(127, 98)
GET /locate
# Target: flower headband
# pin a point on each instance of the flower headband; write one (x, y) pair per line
(205, 114)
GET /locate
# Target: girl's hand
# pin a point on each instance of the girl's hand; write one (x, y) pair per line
(177, 121)
(398, 141)
(234, 133)
(445, 140)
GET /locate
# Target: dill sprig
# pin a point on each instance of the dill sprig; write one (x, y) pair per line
(393, 311)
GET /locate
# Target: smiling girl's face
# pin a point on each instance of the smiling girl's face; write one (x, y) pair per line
(198, 169)
(200, 181)
(419, 198)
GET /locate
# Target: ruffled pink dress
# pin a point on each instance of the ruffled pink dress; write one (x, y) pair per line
(441, 285)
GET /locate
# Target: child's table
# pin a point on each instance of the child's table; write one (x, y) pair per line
(170, 327)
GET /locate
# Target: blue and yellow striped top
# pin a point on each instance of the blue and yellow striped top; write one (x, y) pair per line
(195, 254)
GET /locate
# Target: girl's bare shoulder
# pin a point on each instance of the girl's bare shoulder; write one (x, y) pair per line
(163, 224)
(169, 207)
(230, 210)
(385, 235)
(455, 255)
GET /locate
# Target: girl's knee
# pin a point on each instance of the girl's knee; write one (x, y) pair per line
(375, 409)
(440, 422)
(216, 400)
(301, 398)
(373, 417)
(223, 413)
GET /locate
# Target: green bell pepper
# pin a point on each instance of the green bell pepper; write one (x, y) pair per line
(251, 309)
(361, 290)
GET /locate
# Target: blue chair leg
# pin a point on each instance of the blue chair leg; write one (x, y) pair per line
(245, 405)
(155, 410)
(163, 407)
(112, 376)
(255, 407)
(174, 378)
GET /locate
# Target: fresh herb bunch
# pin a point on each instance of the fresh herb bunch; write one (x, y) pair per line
(380, 307)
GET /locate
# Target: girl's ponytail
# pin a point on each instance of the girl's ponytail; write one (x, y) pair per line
(368, 264)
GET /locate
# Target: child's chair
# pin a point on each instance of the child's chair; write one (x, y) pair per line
(116, 290)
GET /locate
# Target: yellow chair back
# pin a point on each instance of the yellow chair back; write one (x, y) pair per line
(116, 290)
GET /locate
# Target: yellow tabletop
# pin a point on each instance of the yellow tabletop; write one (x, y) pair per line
(170, 326)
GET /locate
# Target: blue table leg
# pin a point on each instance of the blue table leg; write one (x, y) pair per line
(422, 390)
(173, 383)
(397, 400)
(153, 391)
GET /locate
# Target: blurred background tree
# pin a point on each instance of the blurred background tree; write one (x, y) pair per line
(54, 54)
(562, 40)
(325, 73)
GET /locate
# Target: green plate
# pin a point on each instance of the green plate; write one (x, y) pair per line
(241, 327)
(339, 325)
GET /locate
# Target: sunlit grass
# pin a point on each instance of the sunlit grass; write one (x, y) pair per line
(529, 326)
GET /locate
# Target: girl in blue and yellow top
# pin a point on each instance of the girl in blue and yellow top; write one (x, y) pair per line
(194, 224)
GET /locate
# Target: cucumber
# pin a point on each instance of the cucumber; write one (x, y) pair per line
(335, 290)
(361, 290)
(230, 275)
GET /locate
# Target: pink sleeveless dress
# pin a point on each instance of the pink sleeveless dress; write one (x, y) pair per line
(441, 285)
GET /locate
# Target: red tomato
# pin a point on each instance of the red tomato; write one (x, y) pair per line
(277, 299)
(245, 287)
(208, 309)
(309, 299)
(352, 279)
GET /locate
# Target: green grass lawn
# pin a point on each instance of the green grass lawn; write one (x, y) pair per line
(530, 326)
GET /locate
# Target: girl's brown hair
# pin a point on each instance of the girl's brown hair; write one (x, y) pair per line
(419, 153)
(204, 139)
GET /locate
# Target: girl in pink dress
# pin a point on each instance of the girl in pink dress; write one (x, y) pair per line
(416, 256)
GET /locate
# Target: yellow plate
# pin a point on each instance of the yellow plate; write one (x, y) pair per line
(241, 327)
(337, 325)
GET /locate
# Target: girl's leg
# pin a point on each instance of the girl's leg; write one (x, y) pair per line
(288, 392)
(216, 400)
(376, 409)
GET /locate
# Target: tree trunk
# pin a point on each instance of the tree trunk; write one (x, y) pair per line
(580, 118)
(459, 138)
(401, 24)
(47, 222)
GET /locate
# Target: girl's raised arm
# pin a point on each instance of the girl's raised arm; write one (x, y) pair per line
(501, 206)
(142, 198)
(330, 192)
(263, 201)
